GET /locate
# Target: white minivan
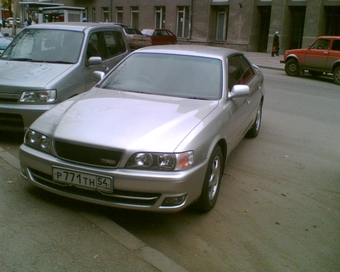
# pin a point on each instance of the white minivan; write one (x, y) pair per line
(49, 63)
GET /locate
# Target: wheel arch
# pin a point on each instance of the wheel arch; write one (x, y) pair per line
(223, 145)
(335, 65)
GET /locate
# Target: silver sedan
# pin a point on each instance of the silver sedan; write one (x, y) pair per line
(154, 134)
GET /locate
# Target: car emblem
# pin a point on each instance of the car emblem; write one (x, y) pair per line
(108, 161)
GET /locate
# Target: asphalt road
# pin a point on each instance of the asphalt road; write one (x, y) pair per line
(279, 204)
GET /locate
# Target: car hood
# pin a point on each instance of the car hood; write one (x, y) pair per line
(125, 120)
(29, 74)
(295, 51)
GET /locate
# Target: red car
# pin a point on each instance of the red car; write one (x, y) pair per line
(160, 36)
(322, 56)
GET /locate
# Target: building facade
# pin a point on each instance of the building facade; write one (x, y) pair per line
(247, 25)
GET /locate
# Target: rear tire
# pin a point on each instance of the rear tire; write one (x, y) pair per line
(212, 181)
(336, 75)
(292, 67)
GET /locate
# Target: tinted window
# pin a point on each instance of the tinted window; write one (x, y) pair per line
(105, 44)
(336, 45)
(239, 71)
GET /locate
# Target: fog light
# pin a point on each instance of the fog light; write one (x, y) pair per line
(174, 201)
(24, 172)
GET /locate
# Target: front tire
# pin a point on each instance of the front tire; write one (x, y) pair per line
(212, 181)
(292, 67)
(336, 75)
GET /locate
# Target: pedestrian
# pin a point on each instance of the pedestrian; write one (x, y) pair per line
(276, 44)
(3, 23)
(26, 23)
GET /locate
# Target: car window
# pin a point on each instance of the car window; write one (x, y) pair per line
(336, 45)
(166, 74)
(321, 44)
(45, 45)
(239, 71)
(105, 44)
(130, 30)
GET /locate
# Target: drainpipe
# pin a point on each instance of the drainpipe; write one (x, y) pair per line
(190, 19)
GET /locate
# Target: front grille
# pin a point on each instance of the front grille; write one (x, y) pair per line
(8, 100)
(11, 122)
(116, 197)
(88, 155)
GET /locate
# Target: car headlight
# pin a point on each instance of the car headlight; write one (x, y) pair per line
(161, 161)
(38, 141)
(44, 96)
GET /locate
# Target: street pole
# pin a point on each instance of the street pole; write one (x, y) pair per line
(14, 27)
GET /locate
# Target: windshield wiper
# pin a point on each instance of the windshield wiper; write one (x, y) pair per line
(58, 61)
(195, 97)
(20, 59)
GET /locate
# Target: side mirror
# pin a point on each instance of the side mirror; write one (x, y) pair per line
(239, 91)
(94, 61)
(98, 76)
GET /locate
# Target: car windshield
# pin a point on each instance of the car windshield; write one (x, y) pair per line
(45, 45)
(167, 74)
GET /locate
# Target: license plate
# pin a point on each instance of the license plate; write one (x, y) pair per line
(96, 182)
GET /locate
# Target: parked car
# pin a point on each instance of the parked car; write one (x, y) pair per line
(322, 56)
(10, 21)
(49, 63)
(136, 38)
(4, 42)
(160, 36)
(151, 139)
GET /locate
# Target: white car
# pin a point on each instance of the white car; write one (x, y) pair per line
(153, 134)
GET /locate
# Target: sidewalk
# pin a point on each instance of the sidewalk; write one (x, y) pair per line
(39, 234)
(265, 60)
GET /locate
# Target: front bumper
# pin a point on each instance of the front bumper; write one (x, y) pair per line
(18, 117)
(133, 189)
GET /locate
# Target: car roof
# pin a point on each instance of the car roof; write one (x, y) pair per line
(192, 50)
(156, 29)
(328, 37)
(75, 26)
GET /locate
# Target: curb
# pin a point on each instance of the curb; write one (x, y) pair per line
(119, 234)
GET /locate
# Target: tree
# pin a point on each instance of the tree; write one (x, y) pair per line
(7, 4)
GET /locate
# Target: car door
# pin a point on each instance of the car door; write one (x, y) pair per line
(107, 44)
(157, 37)
(244, 108)
(334, 54)
(316, 56)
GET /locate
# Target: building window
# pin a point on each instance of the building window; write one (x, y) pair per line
(94, 15)
(160, 17)
(119, 15)
(182, 21)
(222, 23)
(135, 17)
(105, 14)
